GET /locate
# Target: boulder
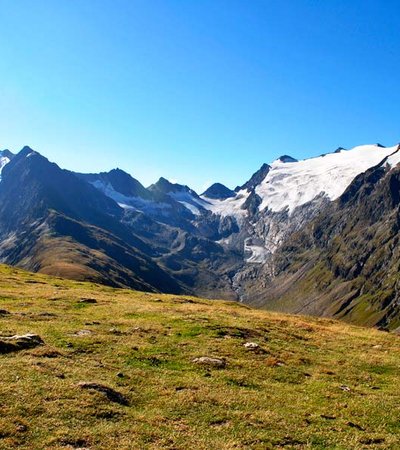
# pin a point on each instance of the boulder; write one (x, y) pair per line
(210, 362)
(19, 342)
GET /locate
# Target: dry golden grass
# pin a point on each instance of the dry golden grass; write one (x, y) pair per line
(314, 383)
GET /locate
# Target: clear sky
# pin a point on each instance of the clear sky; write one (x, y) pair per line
(196, 90)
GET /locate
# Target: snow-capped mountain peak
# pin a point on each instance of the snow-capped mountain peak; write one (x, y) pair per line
(287, 159)
(288, 186)
(286, 183)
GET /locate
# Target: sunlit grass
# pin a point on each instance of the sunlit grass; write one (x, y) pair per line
(314, 384)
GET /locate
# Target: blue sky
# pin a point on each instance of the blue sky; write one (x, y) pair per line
(196, 90)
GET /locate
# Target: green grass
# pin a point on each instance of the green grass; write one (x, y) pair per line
(293, 394)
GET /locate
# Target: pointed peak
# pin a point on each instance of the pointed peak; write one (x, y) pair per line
(339, 149)
(287, 159)
(119, 173)
(6, 154)
(162, 185)
(218, 191)
(256, 178)
(163, 180)
(27, 151)
(117, 170)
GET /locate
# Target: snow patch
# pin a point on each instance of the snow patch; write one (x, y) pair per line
(229, 207)
(191, 202)
(136, 203)
(4, 160)
(257, 253)
(288, 186)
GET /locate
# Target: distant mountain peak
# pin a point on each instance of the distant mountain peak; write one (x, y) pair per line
(6, 154)
(26, 150)
(255, 179)
(287, 159)
(218, 191)
(116, 182)
(165, 186)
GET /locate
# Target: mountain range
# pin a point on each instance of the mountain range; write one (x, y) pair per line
(316, 236)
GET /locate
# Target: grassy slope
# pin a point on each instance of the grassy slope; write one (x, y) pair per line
(287, 397)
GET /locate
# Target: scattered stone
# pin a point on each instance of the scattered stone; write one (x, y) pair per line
(251, 345)
(111, 394)
(115, 331)
(76, 444)
(4, 312)
(378, 346)
(207, 361)
(19, 342)
(82, 333)
(345, 388)
(21, 428)
(371, 441)
(354, 425)
(87, 300)
(325, 416)
(274, 362)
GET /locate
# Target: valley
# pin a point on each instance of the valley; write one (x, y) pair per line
(284, 240)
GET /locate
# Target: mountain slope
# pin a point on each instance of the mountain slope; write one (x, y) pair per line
(345, 263)
(117, 369)
(256, 244)
(64, 226)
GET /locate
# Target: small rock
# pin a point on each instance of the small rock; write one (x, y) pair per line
(19, 342)
(87, 300)
(47, 314)
(377, 346)
(111, 394)
(4, 312)
(345, 388)
(354, 425)
(251, 345)
(115, 331)
(82, 333)
(207, 361)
